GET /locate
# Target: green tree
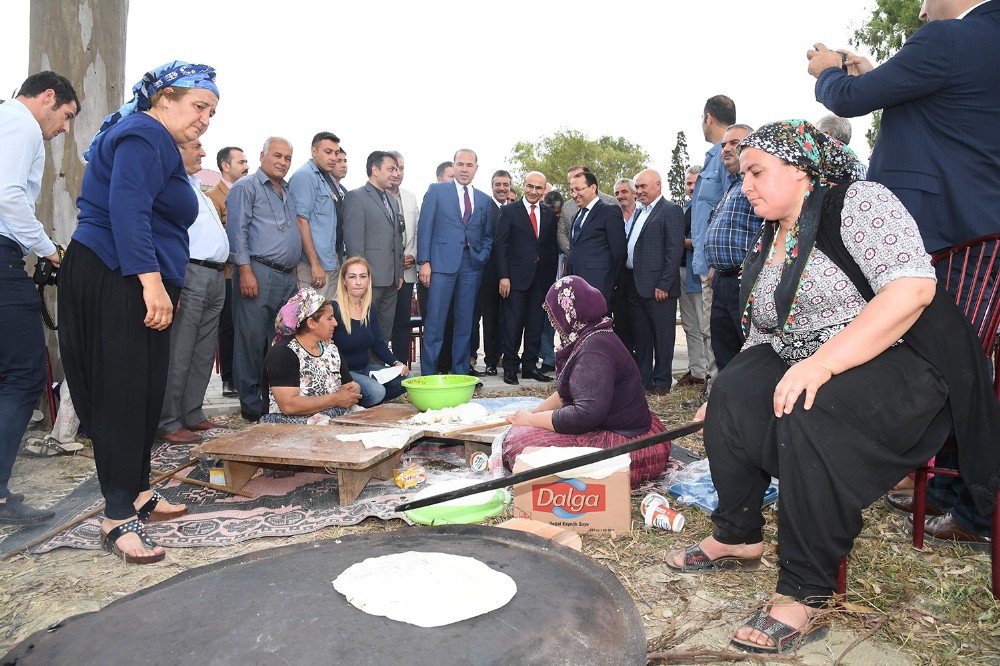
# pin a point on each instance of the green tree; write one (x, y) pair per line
(891, 23)
(609, 158)
(678, 166)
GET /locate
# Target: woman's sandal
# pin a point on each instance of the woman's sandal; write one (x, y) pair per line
(148, 514)
(696, 561)
(109, 542)
(786, 638)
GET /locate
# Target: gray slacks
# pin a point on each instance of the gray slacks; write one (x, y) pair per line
(384, 302)
(192, 347)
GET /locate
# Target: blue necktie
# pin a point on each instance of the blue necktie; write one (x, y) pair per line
(578, 223)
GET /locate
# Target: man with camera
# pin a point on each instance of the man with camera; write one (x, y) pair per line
(44, 107)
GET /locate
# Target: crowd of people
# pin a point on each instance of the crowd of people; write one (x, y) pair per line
(804, 283)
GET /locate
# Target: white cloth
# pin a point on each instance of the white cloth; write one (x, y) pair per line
(22, 161)
(207, 236)
(641, 214)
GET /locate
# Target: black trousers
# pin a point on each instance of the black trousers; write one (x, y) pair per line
(523, 316)
(117, 368)
(226, 335)
(654, 332)
(488, 309)
(868, 427)
(401, 329)
(727, 332)
(621, 312)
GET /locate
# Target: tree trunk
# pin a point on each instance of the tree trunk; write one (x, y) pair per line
(84, 40)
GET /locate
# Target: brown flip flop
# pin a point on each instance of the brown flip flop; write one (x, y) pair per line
(109, 543)
(148, 513)
(696, 562)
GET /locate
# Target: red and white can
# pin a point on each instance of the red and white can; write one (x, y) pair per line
(656, 512)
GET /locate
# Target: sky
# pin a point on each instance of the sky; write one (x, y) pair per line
(427, 78)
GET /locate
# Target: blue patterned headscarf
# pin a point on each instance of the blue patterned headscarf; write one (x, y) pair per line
(177, 73)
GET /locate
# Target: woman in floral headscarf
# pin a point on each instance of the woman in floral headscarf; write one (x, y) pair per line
(303, 374)
(599, 399)
(854, 370)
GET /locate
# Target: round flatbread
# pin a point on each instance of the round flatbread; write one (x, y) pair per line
(424, 588)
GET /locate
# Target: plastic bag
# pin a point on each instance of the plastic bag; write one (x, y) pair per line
(693, 486)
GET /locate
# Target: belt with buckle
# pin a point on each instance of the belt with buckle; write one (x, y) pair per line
(273, 264)
(214, 265)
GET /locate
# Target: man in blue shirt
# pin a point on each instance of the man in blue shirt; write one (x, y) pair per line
(719, 113)
(44, 107)
(315, 194)
(732, 229)
(265, 239)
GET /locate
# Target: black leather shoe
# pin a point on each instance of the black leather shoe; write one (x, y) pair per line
(545, 367)
(491, 370)
(902, 503)
(228, 391)
(536, 375)
(475, 373)
(510, 378)
(14, 512)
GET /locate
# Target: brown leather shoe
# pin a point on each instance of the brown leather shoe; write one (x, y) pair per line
(205, 425)
(180, 436)
(944, 529)
(687, 379)
(902, 503)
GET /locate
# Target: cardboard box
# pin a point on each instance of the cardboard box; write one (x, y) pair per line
(580, 504)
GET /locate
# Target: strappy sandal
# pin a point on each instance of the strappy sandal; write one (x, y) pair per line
(109, 542)
(696, 561)
(148, 514)
(49, 446)
(786, 638)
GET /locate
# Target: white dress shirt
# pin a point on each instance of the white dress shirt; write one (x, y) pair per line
(207, 236)
(22, 160)
(641, 214)
(589, 207)
(461, 197)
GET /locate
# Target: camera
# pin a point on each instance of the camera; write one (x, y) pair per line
(46, 273)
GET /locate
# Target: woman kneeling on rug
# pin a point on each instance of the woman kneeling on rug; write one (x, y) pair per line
(825, 395)
(599, 399)
(303, 374)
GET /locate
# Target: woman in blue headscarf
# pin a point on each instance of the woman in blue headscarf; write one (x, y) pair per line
(119, 284)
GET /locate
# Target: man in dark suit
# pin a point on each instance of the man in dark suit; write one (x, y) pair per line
(372, 231)
(652, 280)
(453, 245)
(938, 150)
(526, 254)
(597, 237)
(488, 304)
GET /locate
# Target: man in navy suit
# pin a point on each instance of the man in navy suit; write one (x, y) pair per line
(938, 150)
(526, 255)
(596, 237)
(453, 246)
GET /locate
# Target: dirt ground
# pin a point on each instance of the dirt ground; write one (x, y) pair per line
(904, 606)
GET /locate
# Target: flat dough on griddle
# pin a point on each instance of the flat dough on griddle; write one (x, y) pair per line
(425, 589)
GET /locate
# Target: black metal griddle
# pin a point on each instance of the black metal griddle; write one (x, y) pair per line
(278, 606)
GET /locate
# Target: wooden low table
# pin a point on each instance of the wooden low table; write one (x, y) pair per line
(243, 453)
(391, 414)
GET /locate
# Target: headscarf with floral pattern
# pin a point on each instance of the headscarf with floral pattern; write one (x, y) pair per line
(305, 303)
(576, 310)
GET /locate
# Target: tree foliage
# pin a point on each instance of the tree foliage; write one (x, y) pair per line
(609, 158)
(678, 166)
(891, 23)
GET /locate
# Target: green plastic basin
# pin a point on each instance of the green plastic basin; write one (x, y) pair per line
(439, 391)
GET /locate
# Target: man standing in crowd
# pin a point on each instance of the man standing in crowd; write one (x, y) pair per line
(232, 163)
(196, 323)
(264, 237)
(700, 360)
(655, 244)
(43, 109)
(453, 246)
(527, 254)
(372, 230)
(313, 192)
(942, 86)
(570, 210)
(488, 304)
(339, 192)
(597, 237)
(732, 230)
(625, 195)
(445, 172)
(836, 127)
(719, 113)
(409, 210)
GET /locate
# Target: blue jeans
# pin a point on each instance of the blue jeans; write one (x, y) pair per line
(22, 354)
(373, 393)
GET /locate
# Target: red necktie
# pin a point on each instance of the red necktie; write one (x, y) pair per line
(467, 215)
(534, 220)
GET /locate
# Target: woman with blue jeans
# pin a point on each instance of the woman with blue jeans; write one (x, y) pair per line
(359, 337)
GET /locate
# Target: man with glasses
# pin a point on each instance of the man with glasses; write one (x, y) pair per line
(597, 244)
(265, 239)
(373, 229)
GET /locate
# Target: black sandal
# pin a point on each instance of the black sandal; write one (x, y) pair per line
(109, 542)
(147, 513)
(786, 638)
(696, 561)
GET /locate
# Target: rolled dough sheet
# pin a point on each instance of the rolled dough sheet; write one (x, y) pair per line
(426, 589)
(391, 438)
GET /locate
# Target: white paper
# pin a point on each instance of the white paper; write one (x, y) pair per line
(386, 375)
(392, 438)
(597, 470)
